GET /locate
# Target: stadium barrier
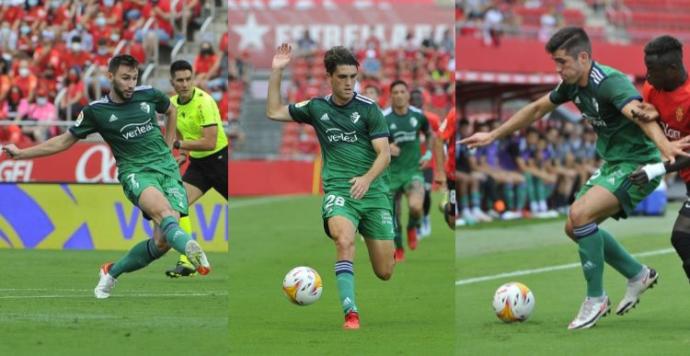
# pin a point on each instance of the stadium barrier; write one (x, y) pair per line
(93, 217)
(261, 177)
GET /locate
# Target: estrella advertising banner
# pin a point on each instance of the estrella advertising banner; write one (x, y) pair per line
(94, 217)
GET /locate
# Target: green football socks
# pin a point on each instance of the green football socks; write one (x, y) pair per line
(138, 257)
(345, 278)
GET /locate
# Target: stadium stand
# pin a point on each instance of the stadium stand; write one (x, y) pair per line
(60, 49)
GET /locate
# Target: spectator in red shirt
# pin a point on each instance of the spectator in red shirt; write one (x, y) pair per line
(206, 66)
(74, 101)
(25, 79)
(76, 56)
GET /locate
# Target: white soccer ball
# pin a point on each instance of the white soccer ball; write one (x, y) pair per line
(513, 302)
(302, 285)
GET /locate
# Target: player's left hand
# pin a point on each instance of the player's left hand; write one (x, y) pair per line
(645, 112)
(11, 150)
(639, 176)
(360, 186)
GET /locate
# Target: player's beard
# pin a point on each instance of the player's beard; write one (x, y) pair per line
(120, 93)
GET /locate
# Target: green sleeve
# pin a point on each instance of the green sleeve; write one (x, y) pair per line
(161, 100)
(210, 116)
(424, 125)
(84, 125)
(376, 124)
(301, 112)
(561, 94)
(618, 90)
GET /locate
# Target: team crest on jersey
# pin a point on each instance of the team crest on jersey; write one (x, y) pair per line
(413, 121)
(354, 117)
(679, 114)
(301, 103)
(145, 108)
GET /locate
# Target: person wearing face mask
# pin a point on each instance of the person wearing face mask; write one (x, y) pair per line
(114, 12)
(25, 79)
(74, 101)
(77, 56)
(201, 136)
(206, 64)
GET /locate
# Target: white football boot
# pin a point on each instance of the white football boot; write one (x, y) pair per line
(635, 289)
(591, 311)
(106, 283)
(197, 257)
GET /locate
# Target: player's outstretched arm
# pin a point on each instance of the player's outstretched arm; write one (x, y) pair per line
(47, 148)
(525, 116)
(650, 171)
(360, 185)
(275, 110)
(670, 150)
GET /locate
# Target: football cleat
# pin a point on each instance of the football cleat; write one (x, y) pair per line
(635, 289)
(106, 282)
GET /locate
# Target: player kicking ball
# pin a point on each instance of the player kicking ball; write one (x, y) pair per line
(126, 119)
(607, 99)
(354, 145)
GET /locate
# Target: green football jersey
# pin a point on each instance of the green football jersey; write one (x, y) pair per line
(404, 130)
(345, 134)
(601, 101)
(131, 130)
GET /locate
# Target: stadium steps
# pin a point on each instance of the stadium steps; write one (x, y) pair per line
(262, 136)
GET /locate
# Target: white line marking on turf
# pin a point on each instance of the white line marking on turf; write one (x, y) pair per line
(260, 201)
(547, 269)
(89, 295)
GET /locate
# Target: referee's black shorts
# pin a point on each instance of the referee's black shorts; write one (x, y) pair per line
(209, 172)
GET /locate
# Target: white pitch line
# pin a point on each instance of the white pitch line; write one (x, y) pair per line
(547, 269)
(134, 295)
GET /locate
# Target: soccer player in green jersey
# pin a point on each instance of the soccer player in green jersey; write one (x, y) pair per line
(126, 119)
(405, 123)
(608, 100)
(202, 138)
(354, 145)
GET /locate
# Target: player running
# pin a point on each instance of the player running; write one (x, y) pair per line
(607, 99)
(202, 138)
(668, 89)
(126, 119)
(405, 122)
(354, 144)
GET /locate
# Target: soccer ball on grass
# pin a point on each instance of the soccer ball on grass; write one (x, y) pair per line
(302, 285)
(513, 302)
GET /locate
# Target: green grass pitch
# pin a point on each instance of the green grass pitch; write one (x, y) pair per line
(47, 307)
(412, 314)
(659, 325)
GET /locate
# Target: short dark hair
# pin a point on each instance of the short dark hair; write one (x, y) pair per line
(572, 39)
(398, 82)
(180, 65)
(336, 56)
(122, 60)
(664, 50)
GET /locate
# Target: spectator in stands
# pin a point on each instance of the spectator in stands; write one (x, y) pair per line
(25, 79)
(86, 37)
(558, 165)
(306, 46)
(532, 161)
(493, 26)
(371, 66)
(40, 110)
(76, 56)
(469, 198)
(11, 105)
(548, 22)
(447, 43)
(5, 79)
(207, 67)
(75, 99)
(24, 43)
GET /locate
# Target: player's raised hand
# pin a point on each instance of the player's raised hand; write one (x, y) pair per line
(360, 186)
(282, 57)
(478, 139)
(645, 112)
(11, 150)
(677, 148)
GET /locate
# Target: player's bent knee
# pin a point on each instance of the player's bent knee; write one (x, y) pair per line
(569, 229)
